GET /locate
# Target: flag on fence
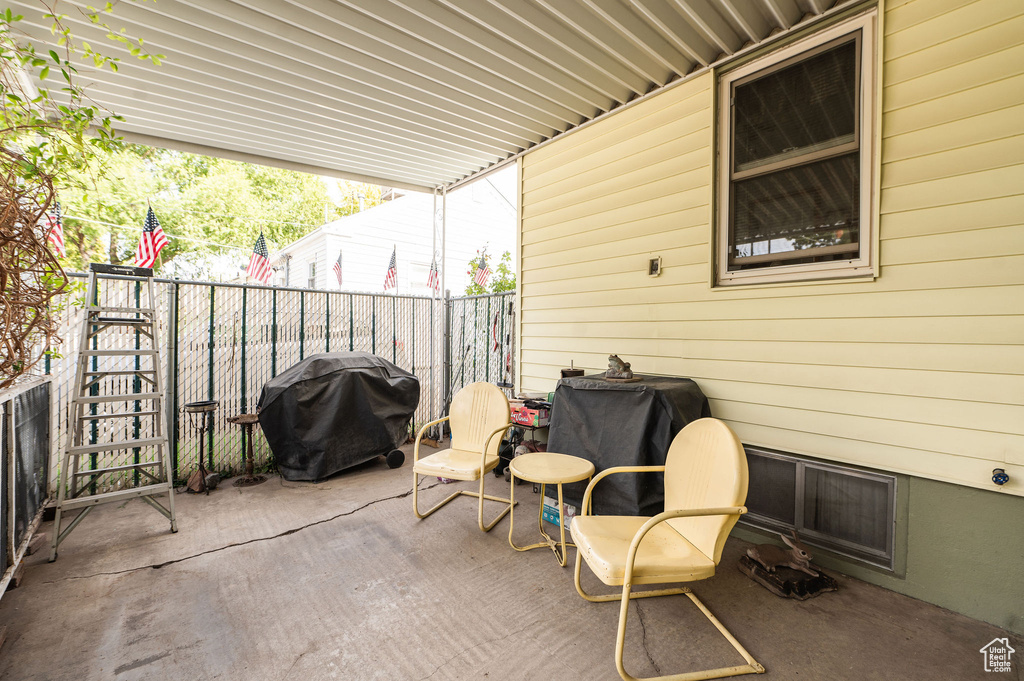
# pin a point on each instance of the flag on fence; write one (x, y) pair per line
(434, 279)
(494, 331)
(151, 241)
(392, 275)
(259, 264)
(337, 268)
(482, 271)
(54, 226)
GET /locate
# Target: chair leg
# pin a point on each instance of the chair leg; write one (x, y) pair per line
(480, 508)
(752, 667)
(415, 498)
(480, 513)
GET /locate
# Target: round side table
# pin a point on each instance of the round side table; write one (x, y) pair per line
(547, 468)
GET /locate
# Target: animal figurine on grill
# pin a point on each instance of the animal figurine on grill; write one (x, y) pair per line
(617, 368)
(770, 556)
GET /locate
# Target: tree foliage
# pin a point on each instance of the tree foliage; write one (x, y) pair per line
(47, 133)
(209, 207)
(502, 278)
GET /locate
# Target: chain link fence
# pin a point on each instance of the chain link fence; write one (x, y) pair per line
(224, 342)
(482, 340)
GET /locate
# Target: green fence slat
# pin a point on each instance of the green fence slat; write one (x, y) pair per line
(137, 387)
(487, 343)
(273, 334)
(176, 424)
(209, 392)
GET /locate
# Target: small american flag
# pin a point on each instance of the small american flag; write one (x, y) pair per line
(259, 263)
(151, 241)
(483, 272)
(392, 275)
(54, 226)
(434, 279)
(337, 268)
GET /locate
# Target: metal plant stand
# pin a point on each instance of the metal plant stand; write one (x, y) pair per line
(247, 421)
(203, 413)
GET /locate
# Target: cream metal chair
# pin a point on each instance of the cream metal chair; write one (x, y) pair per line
(479, 414)
(705, 489)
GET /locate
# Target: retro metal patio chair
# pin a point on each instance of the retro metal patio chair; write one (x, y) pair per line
(479, 414)
(705, 489)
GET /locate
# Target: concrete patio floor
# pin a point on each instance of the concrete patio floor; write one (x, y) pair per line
(339, 580)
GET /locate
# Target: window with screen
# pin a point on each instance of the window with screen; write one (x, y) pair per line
(846, 510)
(795, 138)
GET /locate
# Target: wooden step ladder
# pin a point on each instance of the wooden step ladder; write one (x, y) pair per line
(144, 404)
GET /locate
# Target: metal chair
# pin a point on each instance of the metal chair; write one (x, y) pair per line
(705, 489)
(479, 413)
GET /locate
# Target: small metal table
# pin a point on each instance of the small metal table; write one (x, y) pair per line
(547, 468)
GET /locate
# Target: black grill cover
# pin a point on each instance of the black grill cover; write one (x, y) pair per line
(336, 410)
(622, 424)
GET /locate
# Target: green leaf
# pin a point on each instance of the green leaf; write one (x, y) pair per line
(53, 55)
(44, 73)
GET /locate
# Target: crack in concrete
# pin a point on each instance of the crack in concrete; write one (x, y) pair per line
(643, 637)
(157, 566)
(472, 647)
(287, 674)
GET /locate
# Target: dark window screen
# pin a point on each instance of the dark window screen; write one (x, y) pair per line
(847, 507)
(804, 107)
(772, 488)
(791, 210)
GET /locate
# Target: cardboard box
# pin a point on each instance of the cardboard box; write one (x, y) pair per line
(551, 515)
(535, 418)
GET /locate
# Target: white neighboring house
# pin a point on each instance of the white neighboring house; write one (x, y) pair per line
(478, 216)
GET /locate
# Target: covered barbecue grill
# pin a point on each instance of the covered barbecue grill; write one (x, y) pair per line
(337, 410)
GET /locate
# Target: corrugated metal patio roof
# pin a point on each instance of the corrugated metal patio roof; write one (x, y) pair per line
(404, 93)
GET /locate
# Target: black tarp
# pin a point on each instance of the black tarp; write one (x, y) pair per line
(32, 449)
(622, 424)
(336, 410)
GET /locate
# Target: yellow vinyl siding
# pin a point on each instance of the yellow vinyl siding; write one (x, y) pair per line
(918, 371)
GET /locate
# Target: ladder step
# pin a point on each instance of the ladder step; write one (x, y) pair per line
(112, 469)
(121, 444)
(133, 321)
(97, 399)
(127, 352)
(108, 497)
(130, 372)
(122, 310)
(117, 415)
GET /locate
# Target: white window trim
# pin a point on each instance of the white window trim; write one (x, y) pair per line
(866, 264)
